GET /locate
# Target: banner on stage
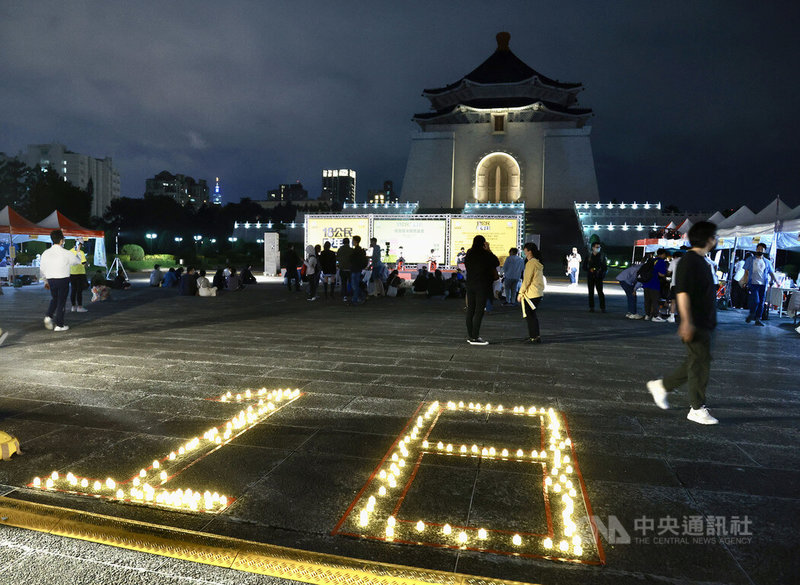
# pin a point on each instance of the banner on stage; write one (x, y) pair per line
(501, 233)
(333, 229)
(416, 237)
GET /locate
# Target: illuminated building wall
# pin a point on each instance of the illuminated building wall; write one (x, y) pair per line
(339, 185)
(78, 169)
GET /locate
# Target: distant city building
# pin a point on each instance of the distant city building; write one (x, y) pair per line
(216, 199)
(79, 170)
(288, 192)
(386, 195)
(339, 186)
(184, 189)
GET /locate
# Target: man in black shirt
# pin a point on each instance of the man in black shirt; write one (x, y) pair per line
(596, 268)
(358, 262)
(696, 294)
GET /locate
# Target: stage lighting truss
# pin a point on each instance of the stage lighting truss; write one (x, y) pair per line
(571, 534)
(149, 486)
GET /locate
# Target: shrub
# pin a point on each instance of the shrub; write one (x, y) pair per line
(160, 258)
(135, 251)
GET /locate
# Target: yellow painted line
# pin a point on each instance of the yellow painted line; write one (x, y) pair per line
(222, 551)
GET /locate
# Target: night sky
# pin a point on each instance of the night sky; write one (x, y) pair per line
(695, 102)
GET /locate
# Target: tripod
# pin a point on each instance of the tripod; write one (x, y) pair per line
(115, 267)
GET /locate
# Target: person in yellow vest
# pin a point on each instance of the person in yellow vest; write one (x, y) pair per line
(77, 278)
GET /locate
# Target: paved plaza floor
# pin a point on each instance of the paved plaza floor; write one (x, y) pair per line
(657, 499)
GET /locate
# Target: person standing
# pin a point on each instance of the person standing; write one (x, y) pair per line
(481, 273)
(652, 288)
(738, 293)
(55, 268)
(343, 255)
(292, 261)
(627, 280)
(596, 268)
(512, 272)
(77, 278)
(358, 262)
(532, 290)
(327, 267)
(696, 296)
(757, 272)
(312, 272)
(573, 266)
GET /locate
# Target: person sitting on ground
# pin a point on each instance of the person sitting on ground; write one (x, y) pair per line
(247, 275)
(420, 286)
(233, 282)
(156, 276)
(394, 280)
(219, 281)
(455, 286)
(120, 282)
(204, 288)
(100, 288)
(188, 284)
(436, 286)
(170, 279)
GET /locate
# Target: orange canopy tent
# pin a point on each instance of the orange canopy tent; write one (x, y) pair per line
(58, 220)
(18, 228)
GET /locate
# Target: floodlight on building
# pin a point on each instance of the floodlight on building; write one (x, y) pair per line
(647, 206)
(611, 227)
(639, 228)
(635, 205)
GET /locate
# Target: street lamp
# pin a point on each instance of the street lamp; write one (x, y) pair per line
(232, 239)
(178, 239)
(150, 237)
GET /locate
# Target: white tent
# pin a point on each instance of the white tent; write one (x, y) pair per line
(774, 211)
(742, 216)
(717, 218)
(671, 225)
(793, 214)
(685, 226)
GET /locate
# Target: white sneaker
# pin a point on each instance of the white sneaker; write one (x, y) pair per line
(637, 316)
(48, 322)
(659, 393)
(3, 336)
(64, 328)
(671, 318)
(647, 317)
(81, 310)
(312, 299)
(658, 319)
(74, 308)
(628, 315)
(701, 416)
(477, 341)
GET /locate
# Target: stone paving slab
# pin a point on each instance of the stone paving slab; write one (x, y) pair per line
(132, 378)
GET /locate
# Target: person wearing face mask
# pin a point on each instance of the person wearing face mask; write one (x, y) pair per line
(757, 272)
(596, 268)
(696, 296)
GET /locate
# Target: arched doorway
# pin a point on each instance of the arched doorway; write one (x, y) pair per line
(497, 179)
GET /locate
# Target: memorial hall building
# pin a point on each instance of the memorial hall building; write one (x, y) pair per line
(503, 133)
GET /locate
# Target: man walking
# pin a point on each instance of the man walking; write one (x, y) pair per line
(55, 267)
(696, 294)
(512, 272)
(596, 268)
(573, 266)
(652, 288)
(757, 272)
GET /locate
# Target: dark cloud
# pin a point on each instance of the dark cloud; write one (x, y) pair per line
(693, 101)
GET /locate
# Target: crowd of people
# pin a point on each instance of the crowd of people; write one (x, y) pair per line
(681, 286)
(193, 282)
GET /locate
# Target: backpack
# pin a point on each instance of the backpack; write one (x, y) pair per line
(646, 271)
